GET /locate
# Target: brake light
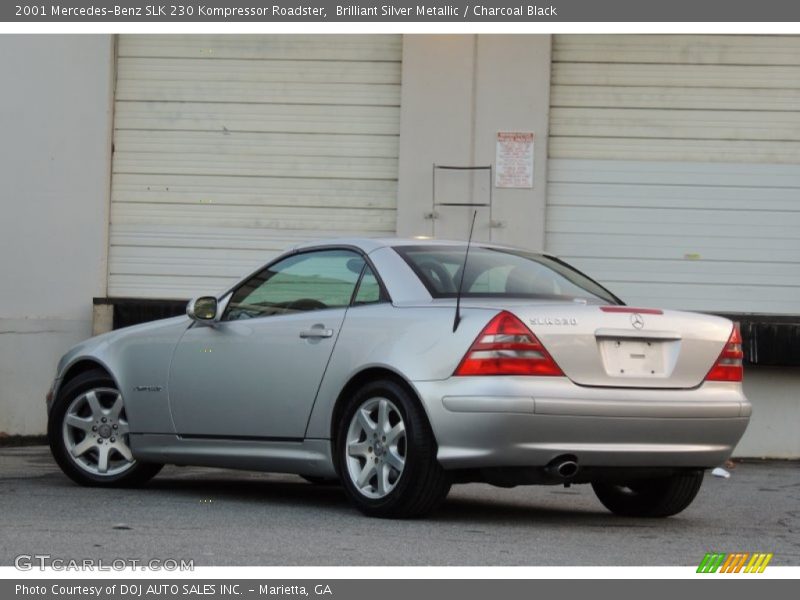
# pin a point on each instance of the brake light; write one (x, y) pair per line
(631, 309)
(507, 347)
(729, 364)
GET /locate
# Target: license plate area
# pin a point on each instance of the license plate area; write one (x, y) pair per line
(640, 358)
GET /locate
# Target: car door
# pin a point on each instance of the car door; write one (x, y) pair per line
(255, 373)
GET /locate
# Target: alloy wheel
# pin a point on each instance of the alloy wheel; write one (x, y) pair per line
(376, 447)
(95, 432)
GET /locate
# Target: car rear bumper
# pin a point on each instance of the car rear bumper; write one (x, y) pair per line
(518, 421)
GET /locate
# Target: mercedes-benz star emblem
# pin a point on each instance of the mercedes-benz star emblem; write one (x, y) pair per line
(637, 321)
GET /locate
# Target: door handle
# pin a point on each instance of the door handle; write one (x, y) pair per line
(316, 332)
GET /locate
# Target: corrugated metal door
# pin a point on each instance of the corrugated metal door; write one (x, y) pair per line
(674, 171)
(228, 149)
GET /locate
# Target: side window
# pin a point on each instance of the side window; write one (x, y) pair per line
(369, 290)
(309, 281)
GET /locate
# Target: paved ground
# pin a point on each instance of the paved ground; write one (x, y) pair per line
(230, 518)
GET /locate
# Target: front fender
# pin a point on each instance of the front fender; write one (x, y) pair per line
(138, 359)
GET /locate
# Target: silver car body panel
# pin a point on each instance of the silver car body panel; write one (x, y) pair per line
(254, 394)
(306, 457)
(601, 427)
(136, 357)
(257, 377)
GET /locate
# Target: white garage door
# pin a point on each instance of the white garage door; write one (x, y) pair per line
(674, 171)
(228, 149)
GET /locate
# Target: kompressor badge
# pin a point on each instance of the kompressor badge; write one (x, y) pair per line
(554, 321)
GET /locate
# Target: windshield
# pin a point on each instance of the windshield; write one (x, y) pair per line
(502, 273)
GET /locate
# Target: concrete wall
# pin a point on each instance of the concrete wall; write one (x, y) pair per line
(458, 92)
(774, 429)
(55, 153)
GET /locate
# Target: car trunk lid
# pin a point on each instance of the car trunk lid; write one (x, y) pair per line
(620, 346)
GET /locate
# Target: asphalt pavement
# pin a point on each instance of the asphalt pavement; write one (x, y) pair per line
(221, 517)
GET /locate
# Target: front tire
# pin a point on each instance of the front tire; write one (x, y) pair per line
(387, 454)
(89, 437)
(659, 497)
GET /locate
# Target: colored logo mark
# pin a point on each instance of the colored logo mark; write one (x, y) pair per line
(739, 562)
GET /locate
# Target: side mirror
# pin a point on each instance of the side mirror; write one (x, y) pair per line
(202, 309)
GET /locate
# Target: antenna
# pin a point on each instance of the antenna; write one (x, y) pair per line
(457, 318)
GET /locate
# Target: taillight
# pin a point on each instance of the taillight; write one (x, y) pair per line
(507, 347)
(729, 364)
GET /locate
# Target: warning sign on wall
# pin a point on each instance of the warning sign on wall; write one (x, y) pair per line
(514, 159)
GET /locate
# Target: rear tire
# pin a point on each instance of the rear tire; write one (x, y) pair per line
(88, 434)
(660, 497)
(386, 454)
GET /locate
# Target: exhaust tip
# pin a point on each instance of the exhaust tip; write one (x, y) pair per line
(562, 467)
(567, 468)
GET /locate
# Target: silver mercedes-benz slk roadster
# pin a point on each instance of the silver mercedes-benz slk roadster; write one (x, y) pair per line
(401, 367)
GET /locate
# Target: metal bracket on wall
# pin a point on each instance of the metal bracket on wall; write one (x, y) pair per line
(488, 169)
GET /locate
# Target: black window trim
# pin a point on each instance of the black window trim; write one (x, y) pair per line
(383, 297)
(619, 301)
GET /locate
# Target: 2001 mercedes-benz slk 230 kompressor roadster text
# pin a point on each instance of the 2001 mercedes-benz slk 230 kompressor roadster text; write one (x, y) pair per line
(395, 368)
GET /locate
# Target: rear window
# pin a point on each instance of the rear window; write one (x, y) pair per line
(503, 273)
